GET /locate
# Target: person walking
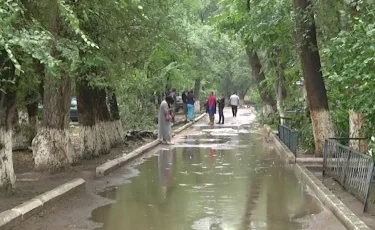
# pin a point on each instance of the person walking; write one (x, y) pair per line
(234, 102)
(164, 120)
(211, 108)
(184, 100)
(190, 100)
(220, 105)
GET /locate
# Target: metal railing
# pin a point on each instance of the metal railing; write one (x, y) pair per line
(289, 137)
(287, 121)
(352, 169)
(348, 141)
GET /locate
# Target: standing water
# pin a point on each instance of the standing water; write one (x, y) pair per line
(217, 179)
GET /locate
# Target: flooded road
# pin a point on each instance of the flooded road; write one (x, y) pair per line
(221, 178)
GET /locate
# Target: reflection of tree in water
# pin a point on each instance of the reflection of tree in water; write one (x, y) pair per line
(284, 197)
(277, 199)
(255, 189)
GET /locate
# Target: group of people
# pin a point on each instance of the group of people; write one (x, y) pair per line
(166, 111)
(212, 103)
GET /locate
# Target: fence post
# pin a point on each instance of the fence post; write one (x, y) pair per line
(325, 156)
(368, 189)
(345, 171)
(295, 143)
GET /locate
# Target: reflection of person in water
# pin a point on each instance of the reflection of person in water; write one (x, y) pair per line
(166, 157)
(211, 152)
(188, 152)
(234, 139)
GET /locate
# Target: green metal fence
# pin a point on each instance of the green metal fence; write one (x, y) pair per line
(351, 168)
(289, 137)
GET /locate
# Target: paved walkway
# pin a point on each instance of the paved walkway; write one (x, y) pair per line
(214, 177)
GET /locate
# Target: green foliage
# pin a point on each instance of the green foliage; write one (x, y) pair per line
(141, 48)
(28, 39)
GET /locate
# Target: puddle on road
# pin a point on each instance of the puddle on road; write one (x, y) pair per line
(203, 188)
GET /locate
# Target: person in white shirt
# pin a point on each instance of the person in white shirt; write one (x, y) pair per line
(234, 102)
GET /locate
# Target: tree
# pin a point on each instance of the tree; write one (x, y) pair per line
(7, 107)
(52, 149)
(259, 77)
(19, 38)
(316, 91)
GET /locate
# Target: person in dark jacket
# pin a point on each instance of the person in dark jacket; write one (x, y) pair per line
(184, 100)
(220, 105)
(190, 100)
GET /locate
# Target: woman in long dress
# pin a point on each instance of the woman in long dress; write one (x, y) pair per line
(211, 108)
(165, 120)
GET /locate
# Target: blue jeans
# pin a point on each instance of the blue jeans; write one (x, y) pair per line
(190, 108)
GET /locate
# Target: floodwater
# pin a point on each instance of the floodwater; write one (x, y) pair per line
(225, 179)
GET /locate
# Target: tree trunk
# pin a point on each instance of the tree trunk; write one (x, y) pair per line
(32, 111)
(305, 100)
(356, 123)
(116, 121)
(279, 85)
(316, 91)
(242, 99)
(279, 97)
(90, 143)
(197, 92)
(51, 148)
(103, 119)
(19, 130)
(32, 100)
(7, 106)
(256, 66)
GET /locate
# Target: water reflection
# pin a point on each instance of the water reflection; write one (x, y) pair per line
(208, 188)
(166, 170)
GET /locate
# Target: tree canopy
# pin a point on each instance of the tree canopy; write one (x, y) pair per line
(288, 56)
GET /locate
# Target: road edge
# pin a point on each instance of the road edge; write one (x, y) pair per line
(11, 217)
(112, 165)
(287, 155)
(334, 204)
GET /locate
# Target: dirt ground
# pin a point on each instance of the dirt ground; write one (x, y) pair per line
(350, 201)
(30, 184)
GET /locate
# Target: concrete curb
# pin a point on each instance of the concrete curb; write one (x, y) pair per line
(12, 217)
(318, 160)
(118, 162)
(339, 209)
(188, 125)
(286, 153)
(114, 164)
